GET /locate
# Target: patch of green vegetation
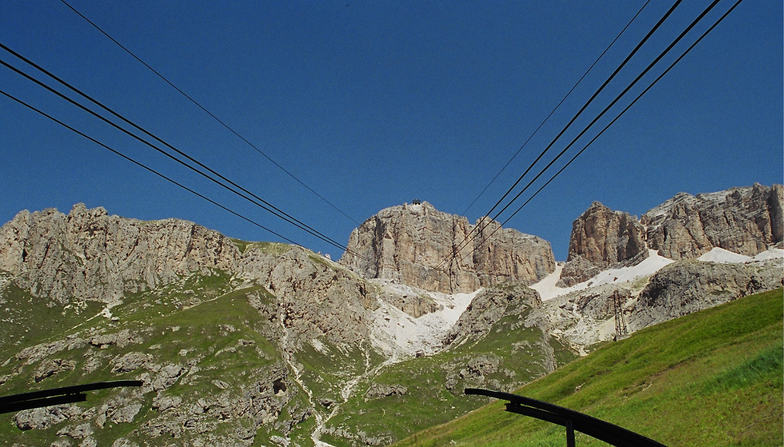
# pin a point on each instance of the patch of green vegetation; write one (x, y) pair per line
(199, 321)
(26, 320)
(240, 244)
(318, 259)
(509, 354)
(710, 378)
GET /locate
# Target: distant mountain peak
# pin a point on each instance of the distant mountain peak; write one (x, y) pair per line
(414, 243)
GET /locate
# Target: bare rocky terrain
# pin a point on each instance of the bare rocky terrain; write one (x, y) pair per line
(745, 220)
(413, 244)
(255, 343)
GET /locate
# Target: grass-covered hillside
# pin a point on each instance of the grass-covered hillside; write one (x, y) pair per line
(713, 378)
(197, 339)
(219, 359)
(424, 391)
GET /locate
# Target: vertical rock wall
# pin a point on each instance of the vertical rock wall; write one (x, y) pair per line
(413, 244)
(746, 220)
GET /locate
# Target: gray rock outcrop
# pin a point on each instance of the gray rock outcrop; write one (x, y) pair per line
(413, 244)
(600, 238)
(94, 256)
(488, 307)
(742, 220)
(686, 287)
(381, 390)
(745, 220)
(91, 255)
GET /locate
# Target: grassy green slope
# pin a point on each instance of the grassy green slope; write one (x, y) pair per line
(711, 378)
(434, 385)
(204, 323)
(178, 323)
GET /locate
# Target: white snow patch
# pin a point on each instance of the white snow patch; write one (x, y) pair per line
(546, 286)
(650, 265)
(722, 256)
(401, 335)
(769, 254)
(319, 346)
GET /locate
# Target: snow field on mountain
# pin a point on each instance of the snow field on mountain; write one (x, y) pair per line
(401, 335)
(548, 289)
(398, 334)
(722, 256)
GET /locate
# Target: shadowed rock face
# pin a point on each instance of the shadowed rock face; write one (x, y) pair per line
(744, 220)
(600, 238)
(413, 243)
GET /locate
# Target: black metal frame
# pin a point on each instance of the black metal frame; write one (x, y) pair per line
(57, 396)
(570, 419)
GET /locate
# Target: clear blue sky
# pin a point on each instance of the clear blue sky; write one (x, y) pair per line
(377, 103)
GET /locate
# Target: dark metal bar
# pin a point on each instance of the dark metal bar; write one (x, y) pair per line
(58, 396)
(535, 413)
(70, 390)
(589, 425)
(12, 407)
(569, 434)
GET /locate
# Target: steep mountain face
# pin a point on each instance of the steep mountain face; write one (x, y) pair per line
(587, 316)
(255, 343)
(742, 220)
(745, 220)
(413, 244)
(237, 343)
(686, 287)
(94, 256)
(600, 238)
(88, 255)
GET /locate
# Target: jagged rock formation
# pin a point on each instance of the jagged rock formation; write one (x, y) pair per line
(742, 220)
(243, 343)
(301, 313)
(412, 244)
(585, 317)
(745, 220)
(600, 238)
(685, 287)
(490, 306)
(88, 255)
(94, 256)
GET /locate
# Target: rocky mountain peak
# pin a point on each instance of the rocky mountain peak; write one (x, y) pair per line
(743, 220)
(93, 255)
(412, 244)
(80, 210)
(602, 237)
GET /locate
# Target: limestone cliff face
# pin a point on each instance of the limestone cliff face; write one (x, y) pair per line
(92, 255)
(411, 244)
(88, 255)
(745, 220)
(685, 287)
(600, 238)
(742, 220)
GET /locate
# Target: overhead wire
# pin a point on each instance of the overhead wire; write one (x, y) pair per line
(211, 114)
(573, 158)
(146, 167)
(557, 106)
(479, 226)
(634, 51)
(614, 101)
(267, 206)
